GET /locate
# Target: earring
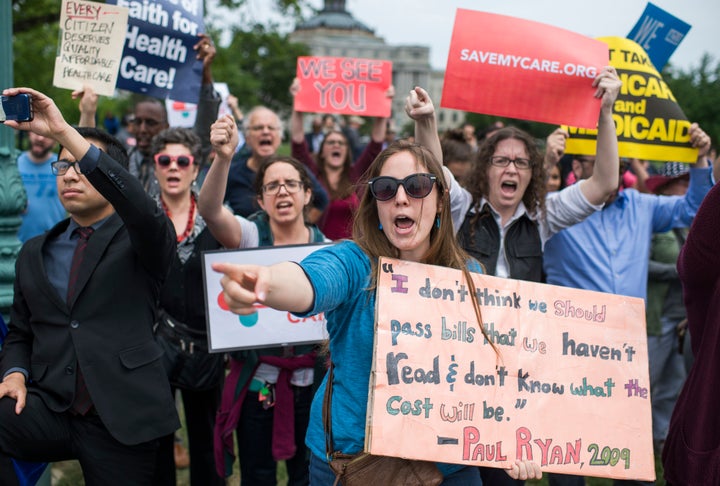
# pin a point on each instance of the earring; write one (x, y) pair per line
(380, 226)
(437, 221)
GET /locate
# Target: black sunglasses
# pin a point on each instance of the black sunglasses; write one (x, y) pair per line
(384, 188)
(182, 160)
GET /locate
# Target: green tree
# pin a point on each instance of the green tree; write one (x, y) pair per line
(698, 94)
(259, 66)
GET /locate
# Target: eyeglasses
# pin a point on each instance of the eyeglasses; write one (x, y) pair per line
(291, 186)
(261, 128)
(163, 160)
(60, 167)
(384, 188)
(341, 143)
(500, 161)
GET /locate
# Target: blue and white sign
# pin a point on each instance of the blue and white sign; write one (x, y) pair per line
(158, 59)
(659, 33)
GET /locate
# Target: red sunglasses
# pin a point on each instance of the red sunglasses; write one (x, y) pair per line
(164, 160)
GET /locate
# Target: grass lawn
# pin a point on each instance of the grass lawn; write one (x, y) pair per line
(68, 474)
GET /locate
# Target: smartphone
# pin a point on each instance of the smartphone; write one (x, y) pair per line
(18, 108)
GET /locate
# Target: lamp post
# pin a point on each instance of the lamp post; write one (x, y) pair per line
(12, 192)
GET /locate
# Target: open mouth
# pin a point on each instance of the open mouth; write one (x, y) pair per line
(509, 187)
(335, 153)
(284, 205)
(265, 143)
(404, 223)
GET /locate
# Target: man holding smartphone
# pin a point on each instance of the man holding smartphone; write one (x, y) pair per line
(81, 372)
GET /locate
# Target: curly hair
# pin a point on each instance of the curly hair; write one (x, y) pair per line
(477, 182)
(181, 136)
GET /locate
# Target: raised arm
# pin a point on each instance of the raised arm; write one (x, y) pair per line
(209, 100)
(297, 132)
(555, 147)
(372, 149)
(88, 105)
(283, 286)
(604, 180)
(49, 122)
(220, 220)
(420, 108)
(380, 123)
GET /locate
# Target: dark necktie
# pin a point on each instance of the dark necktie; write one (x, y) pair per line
(82, 403)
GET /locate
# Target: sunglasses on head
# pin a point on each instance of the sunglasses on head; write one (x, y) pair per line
(384, 188)
(164, 160)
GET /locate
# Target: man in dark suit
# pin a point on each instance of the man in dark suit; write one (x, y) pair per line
(81, 374)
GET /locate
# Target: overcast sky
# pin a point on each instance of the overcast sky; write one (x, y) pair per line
(430, 22)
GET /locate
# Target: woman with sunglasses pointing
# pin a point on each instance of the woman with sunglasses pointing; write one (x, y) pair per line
(180, 329)
(405, 214)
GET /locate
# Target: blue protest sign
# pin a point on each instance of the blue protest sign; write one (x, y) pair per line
(659, 34)
(158, 59)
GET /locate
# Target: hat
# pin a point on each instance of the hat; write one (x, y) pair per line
(670, 172)
(356, 119)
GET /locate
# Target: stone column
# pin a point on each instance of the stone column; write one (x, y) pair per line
(12, 192)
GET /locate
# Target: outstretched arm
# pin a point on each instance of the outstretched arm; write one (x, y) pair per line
(283, 286)
(605, 178)
(220, 220)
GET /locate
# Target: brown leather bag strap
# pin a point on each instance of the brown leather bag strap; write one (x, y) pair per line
(327, 419)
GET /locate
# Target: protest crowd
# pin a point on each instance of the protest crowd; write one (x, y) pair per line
(109, 333)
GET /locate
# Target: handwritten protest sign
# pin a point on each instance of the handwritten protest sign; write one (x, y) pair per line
(158, 59)
(568, 387)
(268, 327)
(344, 85)
(500, 65)
(90, 47)
(658, 33)
(650, 124)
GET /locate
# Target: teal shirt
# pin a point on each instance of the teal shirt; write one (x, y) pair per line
(340, 275)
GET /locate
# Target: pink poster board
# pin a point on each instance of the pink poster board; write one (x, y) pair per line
(344, 85)
(568, 389)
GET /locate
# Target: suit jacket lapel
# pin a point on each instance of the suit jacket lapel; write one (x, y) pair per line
(97, 244)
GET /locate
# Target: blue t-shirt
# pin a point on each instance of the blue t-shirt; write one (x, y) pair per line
(340, 275)
(44, 209)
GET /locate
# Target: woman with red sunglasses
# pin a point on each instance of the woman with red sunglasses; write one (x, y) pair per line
(181, 328)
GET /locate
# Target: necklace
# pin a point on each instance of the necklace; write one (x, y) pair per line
(191, 218)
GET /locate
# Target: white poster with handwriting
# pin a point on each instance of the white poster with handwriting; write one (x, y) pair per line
(91, 42)
(566, 384)
(266, 327)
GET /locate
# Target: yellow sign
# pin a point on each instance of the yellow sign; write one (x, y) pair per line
(568, 387)
(650, 124)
